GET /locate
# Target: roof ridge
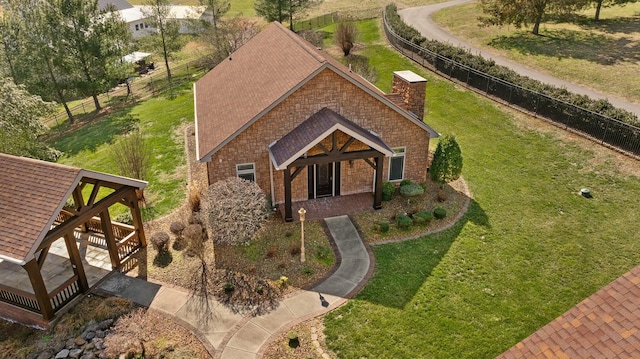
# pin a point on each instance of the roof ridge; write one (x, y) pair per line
(302, 43)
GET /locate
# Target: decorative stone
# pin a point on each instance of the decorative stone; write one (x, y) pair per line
(71, 344)
(79, 341)
(89, 355)
(105, 324)
(45, 355)
(314, 336)
(100, 334)
(58, 347)
(75, 353)
(99, 343)
(63, 354)
(89, 346)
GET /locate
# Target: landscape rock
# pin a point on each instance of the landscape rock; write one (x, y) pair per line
(71, 343)
(79, 342)
(63, 354)
(100, 333)
(75, 353)
(88, 355)
(45, 355)
(105, 324)
(88, 335)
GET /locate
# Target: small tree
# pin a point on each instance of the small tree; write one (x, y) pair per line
(235, 210)
(130, 155)
(447, 161)
(160, 242)
(345, 36)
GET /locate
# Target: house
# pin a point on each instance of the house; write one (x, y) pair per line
(52, 216)
(137, 21)
(288, 116)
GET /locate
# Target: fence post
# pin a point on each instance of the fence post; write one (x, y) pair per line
(83, 109)
(606, 129)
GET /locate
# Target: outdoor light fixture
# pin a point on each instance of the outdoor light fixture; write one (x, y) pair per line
(302, 212)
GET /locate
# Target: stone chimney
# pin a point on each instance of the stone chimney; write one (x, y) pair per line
(412, 88)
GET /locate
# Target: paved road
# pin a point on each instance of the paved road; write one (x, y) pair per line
(420, 18)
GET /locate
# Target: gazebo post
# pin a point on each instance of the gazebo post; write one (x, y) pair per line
(39, 289)
(137, 218)
(76, 262)
(107, 229)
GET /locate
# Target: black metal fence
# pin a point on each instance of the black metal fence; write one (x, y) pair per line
(337, 16)
(568, 116)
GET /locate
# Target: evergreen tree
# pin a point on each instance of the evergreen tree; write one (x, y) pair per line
(447, 161)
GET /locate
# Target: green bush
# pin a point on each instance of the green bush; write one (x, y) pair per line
(405, 182)
(411, 190)
(403, 221)
(399, 27)
(124, 218)
(439, 213)
(381, 227)
(307, 271)
(388, 189)
(422, 218)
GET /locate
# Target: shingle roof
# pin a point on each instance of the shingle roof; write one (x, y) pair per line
(315, 129)
(255, 78)
(32, 192)
(605, 325)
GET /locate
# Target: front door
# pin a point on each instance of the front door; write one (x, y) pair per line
(324, 180)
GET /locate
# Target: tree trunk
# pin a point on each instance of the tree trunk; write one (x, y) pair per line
(96, 102)
(598, 7)
(59, 93)
(166, 56)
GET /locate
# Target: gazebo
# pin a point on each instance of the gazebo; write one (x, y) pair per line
(43, 205)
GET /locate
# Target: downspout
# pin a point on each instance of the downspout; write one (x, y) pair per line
(273, 195)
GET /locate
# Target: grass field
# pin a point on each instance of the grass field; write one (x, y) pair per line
(160, 120)
(529, 248)
(603, 55)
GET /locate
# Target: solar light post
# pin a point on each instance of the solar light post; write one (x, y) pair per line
(302, 212)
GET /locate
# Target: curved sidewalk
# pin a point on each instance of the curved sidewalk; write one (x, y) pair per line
(420, 18)
(228, 335)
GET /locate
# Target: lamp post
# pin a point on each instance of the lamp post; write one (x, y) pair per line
(302, 212)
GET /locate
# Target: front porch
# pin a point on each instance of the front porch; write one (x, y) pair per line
(320, 208)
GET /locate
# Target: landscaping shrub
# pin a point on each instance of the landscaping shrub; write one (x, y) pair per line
(439, 213)
(345, 36)
(399, 27)
(235, 210)
(194, 197)
(160, 241)
(177, 228)
(405, 182)
(294, 249)
(194, 237)
(411, 190)
(125, 218)
(403, 221)
(388, 189)
(422, 218)
(382, 227)
(307, 271)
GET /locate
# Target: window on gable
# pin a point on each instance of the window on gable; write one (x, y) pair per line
(246, 171)
(396, 164)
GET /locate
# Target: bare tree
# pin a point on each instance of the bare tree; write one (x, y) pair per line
(235, 210)
(130, 155)
(228, 35)
(345, 36)
(166, 39)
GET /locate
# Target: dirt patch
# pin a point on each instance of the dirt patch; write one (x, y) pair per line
(308, 332)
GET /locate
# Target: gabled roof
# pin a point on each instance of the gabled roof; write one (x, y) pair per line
(315, 129)
(605, 325)
(32, 193)
(118, 4)
(257, 77)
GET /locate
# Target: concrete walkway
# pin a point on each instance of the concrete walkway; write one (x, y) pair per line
(420, 19)
(228, 335)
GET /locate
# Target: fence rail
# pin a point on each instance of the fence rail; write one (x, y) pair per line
(602, 129)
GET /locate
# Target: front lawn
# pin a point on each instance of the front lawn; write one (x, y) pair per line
(529, 248)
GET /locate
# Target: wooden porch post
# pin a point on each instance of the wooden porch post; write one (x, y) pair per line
(377, 196)
(288, 215)
(137, 219)
(37, 283)
(112, 246)
(76, 262)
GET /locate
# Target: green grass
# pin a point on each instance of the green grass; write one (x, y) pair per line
(602, 55)
(528, 249)
(159, 119)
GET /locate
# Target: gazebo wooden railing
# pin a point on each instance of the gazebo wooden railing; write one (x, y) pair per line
(19, 298)
(65, 293)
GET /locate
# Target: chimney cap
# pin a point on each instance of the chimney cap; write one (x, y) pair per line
(410, 76)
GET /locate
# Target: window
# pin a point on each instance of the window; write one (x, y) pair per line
(137, 27)
(396, 164)
(246, 171)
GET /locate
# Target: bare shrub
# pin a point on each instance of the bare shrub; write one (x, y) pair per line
(130, 155)
(235, 210)
(249, 295)
(193, 236)
(224, 39)
(177, 228)
(194, 197)
(345, 36)
(313, 36)
(160, 242)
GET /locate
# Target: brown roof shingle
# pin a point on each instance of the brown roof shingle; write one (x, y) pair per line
(254, 78)
(30, 193)
(605, 325)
